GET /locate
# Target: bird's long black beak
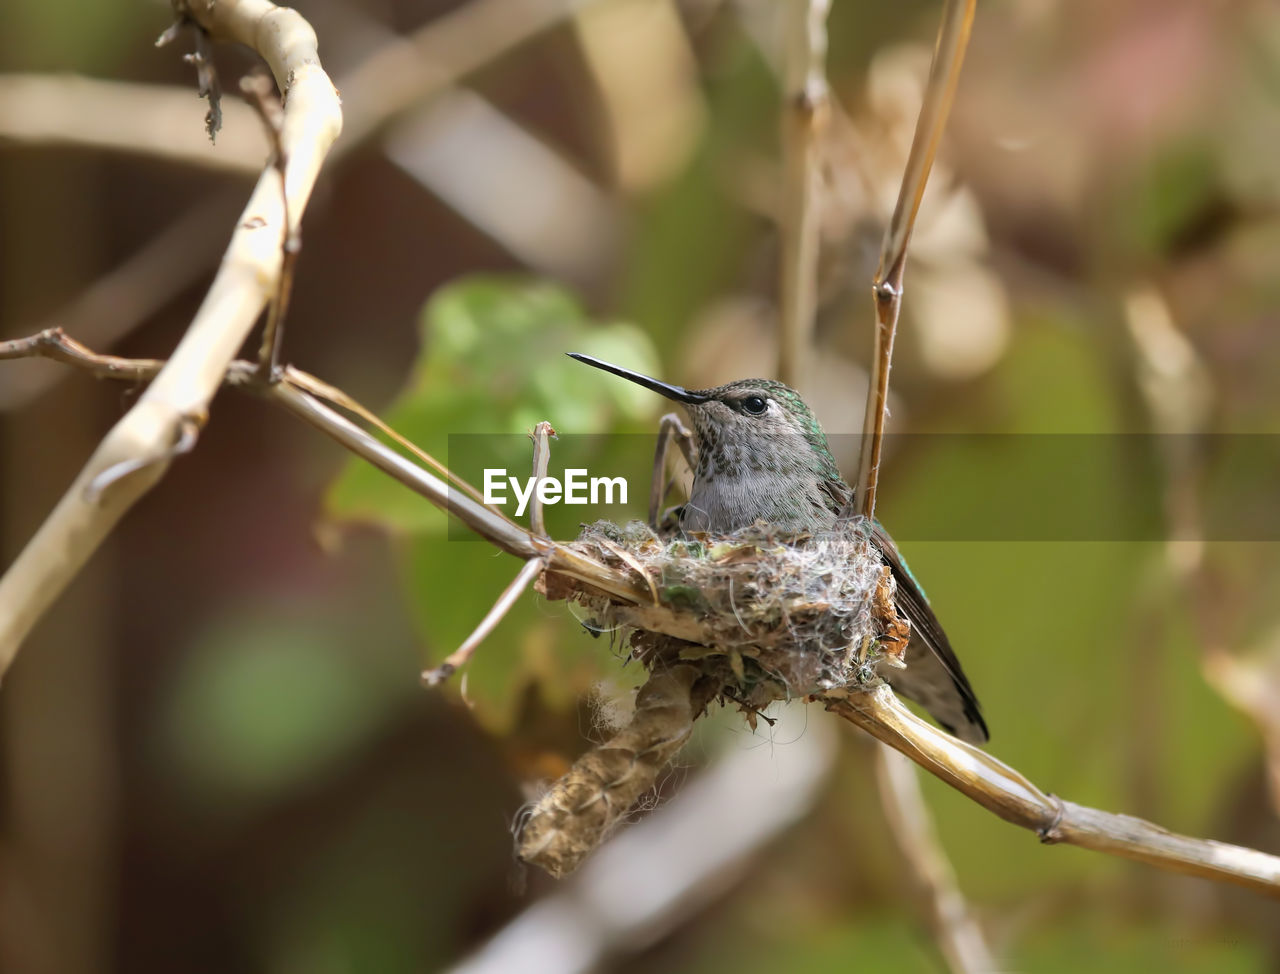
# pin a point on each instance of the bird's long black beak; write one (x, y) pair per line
(677, 393)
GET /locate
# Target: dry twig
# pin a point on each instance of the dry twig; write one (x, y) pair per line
(1003, 791)
(260, 93)
(208, 85)
(970, 770)
(403, 73)
(806, 106)
(541, 457)
(944, 75)
(955, 928)
(176, 402)
(462, 655)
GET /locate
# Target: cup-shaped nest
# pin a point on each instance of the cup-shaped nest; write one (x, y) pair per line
(749, 618)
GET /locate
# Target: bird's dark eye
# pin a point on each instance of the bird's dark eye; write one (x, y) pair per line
(754, 405)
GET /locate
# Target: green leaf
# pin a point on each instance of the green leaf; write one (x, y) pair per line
(493, 362)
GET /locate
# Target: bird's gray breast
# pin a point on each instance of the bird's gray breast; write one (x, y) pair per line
(723, 503)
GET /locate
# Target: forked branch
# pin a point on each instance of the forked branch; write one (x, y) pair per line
(137, 451)
(986, 780)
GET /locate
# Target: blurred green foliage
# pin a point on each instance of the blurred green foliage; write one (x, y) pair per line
(1054, 637)
(266, 701)
(55, 33)
(884, 942)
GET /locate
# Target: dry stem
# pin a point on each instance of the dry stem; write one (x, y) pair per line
(82, 111)
(805, 110)
(970, 770)
(954, 926)
(256, 87)
(541, 457)
(1002, 790)
(462, 655)
(176, 402)
(944, 75)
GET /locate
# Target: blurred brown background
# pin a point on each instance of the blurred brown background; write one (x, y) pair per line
(214, 754)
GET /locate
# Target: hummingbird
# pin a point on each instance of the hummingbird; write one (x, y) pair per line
(763, 456)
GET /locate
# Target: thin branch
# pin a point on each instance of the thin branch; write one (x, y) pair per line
(258, 90)
(302, 394)
(177, 400)
(403, 73)
(208, 85)
(487, 523)
(954, 926)
(541, 457)
(1002, 790)
(462, 655)
(54, 344)
(944, 75)
(970, 770)
(331, 394)
(805, 111)
(149, 119)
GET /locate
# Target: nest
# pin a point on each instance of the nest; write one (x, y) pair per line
(746, 619)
